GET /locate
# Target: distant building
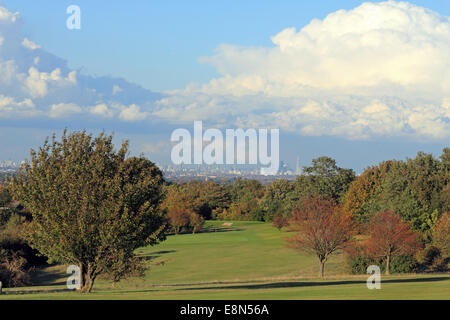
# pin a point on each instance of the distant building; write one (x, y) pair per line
(298, 170)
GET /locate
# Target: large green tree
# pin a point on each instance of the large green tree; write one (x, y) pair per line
(416, 188)
(325, 178)
(91, 206)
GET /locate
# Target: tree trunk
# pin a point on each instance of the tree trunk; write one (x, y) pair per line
(82, 277)
(388, 264)
(89, 276)
(322, 268)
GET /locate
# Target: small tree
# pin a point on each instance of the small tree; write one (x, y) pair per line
(390, 237)
(321, 228)
(196, 222)
(90, 205)
(179, 205)
(279, 221)
(178, 218)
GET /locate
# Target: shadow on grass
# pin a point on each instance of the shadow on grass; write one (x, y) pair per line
(220, 229)
(209, 229)
(155, 255)
(299, 284)
(41, 277)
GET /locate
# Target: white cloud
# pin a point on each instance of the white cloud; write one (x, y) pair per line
(102, 110)
(132, 113)
(30, 44)
(29, 74)
(380, 69)
(10, 107)
(63, 110)
(7, 17)
(9, 102)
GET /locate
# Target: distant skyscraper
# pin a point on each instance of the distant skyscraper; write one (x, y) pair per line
(298, 171)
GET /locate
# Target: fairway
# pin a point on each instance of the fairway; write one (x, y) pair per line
(245, 261)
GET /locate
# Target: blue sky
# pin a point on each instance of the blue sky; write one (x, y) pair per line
(166, 37)
(166, 46)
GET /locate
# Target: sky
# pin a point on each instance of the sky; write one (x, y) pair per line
(361, 82)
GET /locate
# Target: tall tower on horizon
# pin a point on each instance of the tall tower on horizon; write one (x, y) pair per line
(298, 170)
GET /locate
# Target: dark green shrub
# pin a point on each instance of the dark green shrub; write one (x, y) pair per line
(404, 264)
(358, 263)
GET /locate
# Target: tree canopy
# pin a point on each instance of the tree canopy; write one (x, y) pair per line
(90, 205)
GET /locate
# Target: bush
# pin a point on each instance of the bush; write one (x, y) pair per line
(12, 270)
(279, 221)
(404, 264)
(431, 259)
(358, 263)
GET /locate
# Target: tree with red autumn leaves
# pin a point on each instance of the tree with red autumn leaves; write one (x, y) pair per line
(279, 221)
(321, 228)
(390, 237)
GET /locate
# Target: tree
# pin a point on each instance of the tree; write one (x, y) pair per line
(90, 205)
(390, 237)
(279, 221)
(321, 227)
(277, 198)
(325, 178)
(5, 197)
(180, 206)
(441, 234)
(362, 199)
(247, 195)
(196, 222)
(414, 189)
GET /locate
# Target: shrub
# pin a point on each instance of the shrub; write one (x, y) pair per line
(431, 259)
(279, 221)
(358, 261)
(404, 264)
(12, 270)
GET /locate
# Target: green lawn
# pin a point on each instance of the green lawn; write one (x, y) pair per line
(247, 261)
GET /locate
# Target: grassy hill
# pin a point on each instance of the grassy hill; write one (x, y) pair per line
(245, 261)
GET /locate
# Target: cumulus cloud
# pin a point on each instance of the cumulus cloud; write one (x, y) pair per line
(30, 44)
(62, 110)
(132, 113)
(380, 69)
(10, 107)
(102, 110)
(7, 17)
(30, 76)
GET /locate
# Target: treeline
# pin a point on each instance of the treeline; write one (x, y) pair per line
(417, 189)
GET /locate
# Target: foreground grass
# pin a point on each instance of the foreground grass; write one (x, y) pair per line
(246, 261)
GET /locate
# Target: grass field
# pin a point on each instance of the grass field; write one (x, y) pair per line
(246, 261)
